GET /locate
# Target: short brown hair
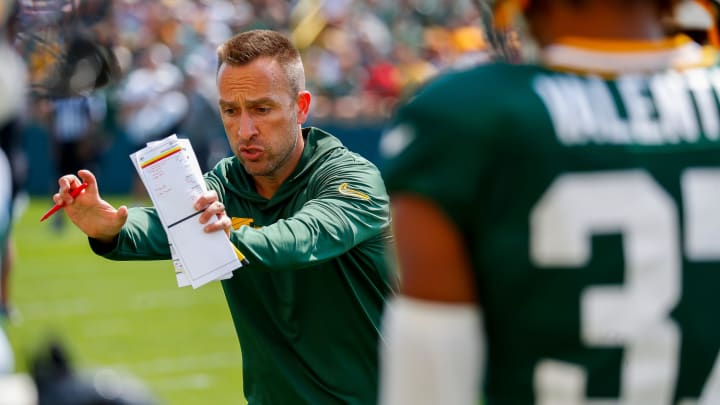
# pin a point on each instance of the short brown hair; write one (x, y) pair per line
(248, 46)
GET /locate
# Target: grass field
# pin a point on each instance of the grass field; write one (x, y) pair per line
(129, 316)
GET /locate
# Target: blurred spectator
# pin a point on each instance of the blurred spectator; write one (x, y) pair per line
(13, 79)
(11, 145)
(12, 117)
(152, 103)
(202, 125)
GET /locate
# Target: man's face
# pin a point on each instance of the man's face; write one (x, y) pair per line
(261, 118)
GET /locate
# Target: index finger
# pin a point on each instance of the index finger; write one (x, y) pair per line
(68, 182)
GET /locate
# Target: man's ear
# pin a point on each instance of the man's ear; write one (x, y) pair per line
(303, 106)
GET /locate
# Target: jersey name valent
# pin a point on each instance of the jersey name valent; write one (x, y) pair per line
(667, 108)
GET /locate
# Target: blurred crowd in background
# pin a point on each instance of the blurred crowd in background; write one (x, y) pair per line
(361, 58)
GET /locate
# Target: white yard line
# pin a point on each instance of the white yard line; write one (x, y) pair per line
(52, 309)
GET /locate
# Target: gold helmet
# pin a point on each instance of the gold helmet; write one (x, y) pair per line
(501, 19)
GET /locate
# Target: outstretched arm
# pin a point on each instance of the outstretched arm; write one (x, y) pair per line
(141, 236)
(93, 215)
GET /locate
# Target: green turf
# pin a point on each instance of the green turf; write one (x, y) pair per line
(129, 316)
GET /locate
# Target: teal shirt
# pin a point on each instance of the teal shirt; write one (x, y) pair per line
(307, 308)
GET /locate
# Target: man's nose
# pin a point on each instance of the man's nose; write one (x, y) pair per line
(246, 127)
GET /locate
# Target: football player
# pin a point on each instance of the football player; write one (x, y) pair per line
(556, 221)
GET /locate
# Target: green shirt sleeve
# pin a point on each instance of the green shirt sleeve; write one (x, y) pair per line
(141, 238)
(349, 205)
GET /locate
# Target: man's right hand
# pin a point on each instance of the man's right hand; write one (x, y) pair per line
(93, 215)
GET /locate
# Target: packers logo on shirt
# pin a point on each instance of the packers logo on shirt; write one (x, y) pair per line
(344, 189)
(238, 222)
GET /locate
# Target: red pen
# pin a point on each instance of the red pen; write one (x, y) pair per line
(74, 192)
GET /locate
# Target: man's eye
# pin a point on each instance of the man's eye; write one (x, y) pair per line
(228, 111)
(262, 110)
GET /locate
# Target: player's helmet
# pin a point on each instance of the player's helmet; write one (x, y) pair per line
(500, 17)
(504, 11)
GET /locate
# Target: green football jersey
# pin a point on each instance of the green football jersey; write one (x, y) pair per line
(587, 191)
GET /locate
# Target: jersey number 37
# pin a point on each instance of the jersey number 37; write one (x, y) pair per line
(635, 315)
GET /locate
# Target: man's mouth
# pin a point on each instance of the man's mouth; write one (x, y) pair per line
(251, 152)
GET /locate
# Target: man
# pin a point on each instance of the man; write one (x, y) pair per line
(307, 307)
(556, 223)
